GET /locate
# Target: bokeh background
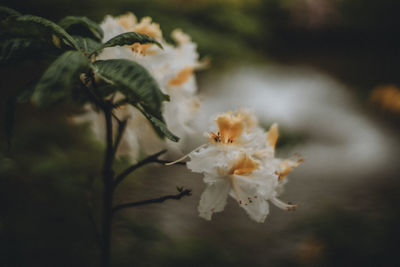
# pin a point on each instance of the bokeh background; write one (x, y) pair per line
(325, 70)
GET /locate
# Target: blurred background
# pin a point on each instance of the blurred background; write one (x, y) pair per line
(325, 70)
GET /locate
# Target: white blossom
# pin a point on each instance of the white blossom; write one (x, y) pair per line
(239, 160)
(172, 67)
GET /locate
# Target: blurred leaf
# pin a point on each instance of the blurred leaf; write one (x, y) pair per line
(87, 45)
(58, 80)
(6, 12)
(9, 113)
(134, 82)
(159, 126)
(129, 38)
(24, 95)
(82, 26)
(20, 48)
(38, 27)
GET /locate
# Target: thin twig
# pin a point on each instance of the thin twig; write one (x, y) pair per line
(116, 118)
(166, 161)
(150, 159)
(186, 192)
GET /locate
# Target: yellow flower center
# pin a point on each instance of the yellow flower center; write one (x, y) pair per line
(244, 166)
(230, 128)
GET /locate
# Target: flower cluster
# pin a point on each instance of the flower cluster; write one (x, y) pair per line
(239, 160)
(172, 67)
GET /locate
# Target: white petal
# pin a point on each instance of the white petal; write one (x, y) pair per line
(258, 209)
(209, 160)
(214, 198)
(249, 198)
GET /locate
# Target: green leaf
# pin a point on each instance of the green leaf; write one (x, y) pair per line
(21, 48)
(82, 26)
(134, 82)
(6, 12)
(87, 45)
(58, 80)
(38, 27)
(158, 125)
(129, 38)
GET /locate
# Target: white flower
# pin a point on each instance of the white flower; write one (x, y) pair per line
(239, 161)
(172, 67)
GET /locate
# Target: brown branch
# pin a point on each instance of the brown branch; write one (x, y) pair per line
(186, 192)
(150, 159)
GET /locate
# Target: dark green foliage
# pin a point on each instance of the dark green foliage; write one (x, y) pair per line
(45, 187)
(21, 49)
(59, 79)
(129, 38)
(159, 126)
(134, 81)
(6, 12)
(37, 27)
(82, 26)
(139, 88)
(9, 113)
(24, 95)
(27, 36)
(85, 44)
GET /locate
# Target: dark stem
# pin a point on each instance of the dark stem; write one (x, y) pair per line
(150, 159)
(98, 101)
(186, 192)
(108, 176)
(121, 130)
(90, 214)
(96, 231)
